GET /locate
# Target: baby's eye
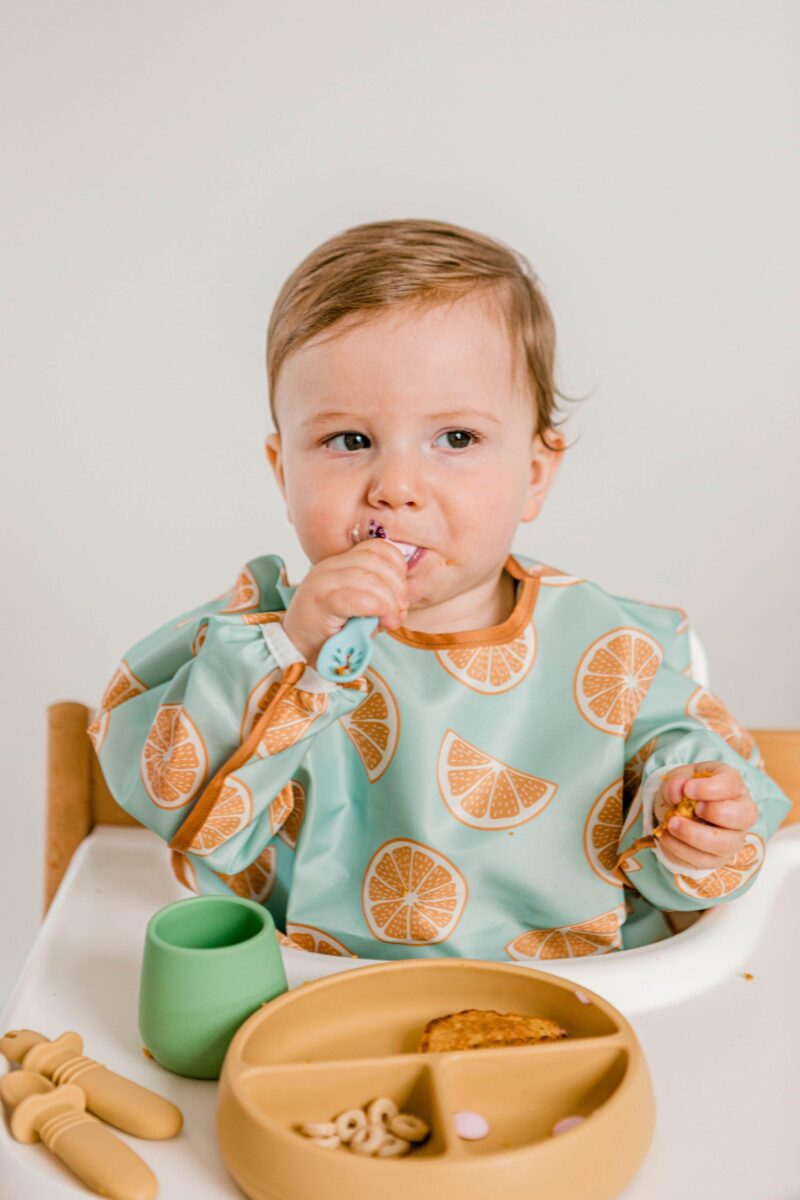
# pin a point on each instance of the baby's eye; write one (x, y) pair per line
(458, 437)
(349, 439)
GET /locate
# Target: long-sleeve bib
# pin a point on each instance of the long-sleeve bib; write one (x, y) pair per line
(473, 794)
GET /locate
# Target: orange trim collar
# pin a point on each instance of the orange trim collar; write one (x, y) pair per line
(495, 635)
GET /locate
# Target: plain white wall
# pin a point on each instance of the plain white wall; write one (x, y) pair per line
(166, 164)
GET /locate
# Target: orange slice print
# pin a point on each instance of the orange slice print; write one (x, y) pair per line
(174, 759)
(121, 687)
(290, 719)
(412, 894)
(232, 811)
(374, 727)
(98, 729)
(485, 793)
(709, 709)
(597, 936)
(256, 881)
(728, 878)
(601, 834)
(245, 593)
(280, 808)
(258, 700)
(289, 830)
(552, 577)
(492, 669)
(316, 941)
(613, 678)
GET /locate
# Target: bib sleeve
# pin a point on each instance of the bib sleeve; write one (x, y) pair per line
(204, 723)
(681, 722)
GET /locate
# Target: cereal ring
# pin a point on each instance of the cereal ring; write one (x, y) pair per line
(406, 1125)
(393, 1147)
(369, 1140)
(318, 1129)
(327, 1143)
(380, 1111)
(348, 1123)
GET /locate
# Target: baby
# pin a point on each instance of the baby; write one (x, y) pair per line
(490, 785)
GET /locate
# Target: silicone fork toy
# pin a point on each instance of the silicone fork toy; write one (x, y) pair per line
(346, 655)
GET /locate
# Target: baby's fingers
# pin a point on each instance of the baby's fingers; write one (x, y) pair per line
(703, 839)
(375, 601)
(739, 814)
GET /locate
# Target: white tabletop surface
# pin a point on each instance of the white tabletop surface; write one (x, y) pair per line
(723, 1052)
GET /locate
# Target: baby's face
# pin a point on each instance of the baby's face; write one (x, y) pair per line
(411, 420)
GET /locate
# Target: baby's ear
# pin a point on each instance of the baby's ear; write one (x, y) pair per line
(544, 468)
(272, 448)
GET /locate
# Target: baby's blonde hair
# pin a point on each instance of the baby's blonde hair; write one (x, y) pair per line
(381, 265)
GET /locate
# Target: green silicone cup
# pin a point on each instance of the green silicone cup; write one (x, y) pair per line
(209, 962)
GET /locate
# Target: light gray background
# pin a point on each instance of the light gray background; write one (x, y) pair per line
(166, 164)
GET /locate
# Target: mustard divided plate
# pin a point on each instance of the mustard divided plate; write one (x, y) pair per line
(350, 1038)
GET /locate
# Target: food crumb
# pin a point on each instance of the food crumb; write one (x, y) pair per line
(147, 1053)
(746, 975)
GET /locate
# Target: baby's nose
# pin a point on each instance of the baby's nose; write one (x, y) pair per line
(397, 483)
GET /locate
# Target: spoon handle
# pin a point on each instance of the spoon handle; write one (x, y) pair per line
(346, 655)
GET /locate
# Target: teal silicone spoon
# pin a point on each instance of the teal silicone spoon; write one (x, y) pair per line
(346, 655)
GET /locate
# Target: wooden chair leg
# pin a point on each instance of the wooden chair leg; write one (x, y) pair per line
(69, 791)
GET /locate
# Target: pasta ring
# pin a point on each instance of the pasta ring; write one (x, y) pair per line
(380, 1111)
(406, 1125)
(318, 1129)
(327, 1143)
(348, 1123)
(393, 1147)
(368, 1141)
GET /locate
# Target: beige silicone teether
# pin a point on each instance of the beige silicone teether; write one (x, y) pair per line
(119, 1101)
(57, 1117)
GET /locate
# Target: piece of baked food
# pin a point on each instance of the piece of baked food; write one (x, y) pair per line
(478, 1029)
(684, 808)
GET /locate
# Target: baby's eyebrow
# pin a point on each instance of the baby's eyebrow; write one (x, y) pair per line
(454, 414)
(322, 417)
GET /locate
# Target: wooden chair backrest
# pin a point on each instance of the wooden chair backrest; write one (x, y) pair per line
(78, 797)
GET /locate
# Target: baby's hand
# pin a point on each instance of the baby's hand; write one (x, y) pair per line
(723, 804)
(368, 580)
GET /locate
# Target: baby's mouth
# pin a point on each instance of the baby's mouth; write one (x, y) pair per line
(411, 553)
(407, 551)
